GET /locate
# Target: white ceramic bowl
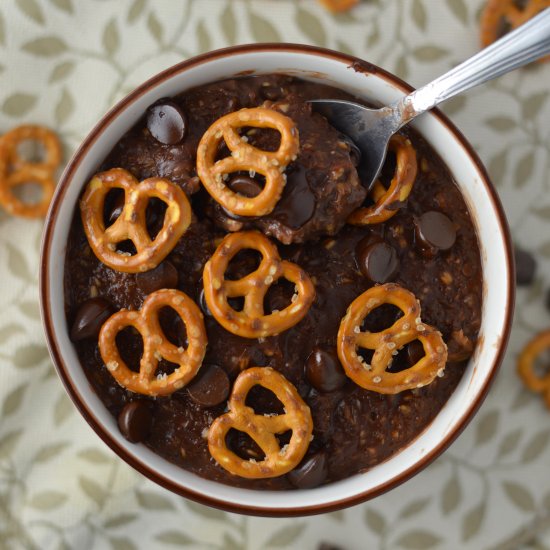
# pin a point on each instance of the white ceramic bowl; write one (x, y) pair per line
(370, 83)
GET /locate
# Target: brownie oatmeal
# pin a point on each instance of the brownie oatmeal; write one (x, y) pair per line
(286, 366)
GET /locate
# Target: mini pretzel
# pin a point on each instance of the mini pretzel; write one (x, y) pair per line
(390, 200)
(244, 156)
(262, 428)
(251, 321)
(338, 5)
(14, 170)
(388, 342)
(501, 16)
(155, 344)
(526, 365)
(131, 223)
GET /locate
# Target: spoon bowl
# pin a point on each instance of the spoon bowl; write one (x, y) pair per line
(371, 129)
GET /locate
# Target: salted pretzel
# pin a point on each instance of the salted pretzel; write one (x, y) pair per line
(338, 5)
(262, 428)
(270, 164)
(388, 342)
(251, 322)
(156, 345)
(15, 170)
(131, 224)
(501, 16)
(526, 365)
(388, 201)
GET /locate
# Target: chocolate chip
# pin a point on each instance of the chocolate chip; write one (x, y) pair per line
(526, 267)
(435, 231)
(244, 185)
(135, 420)
(311, 472)
(547, 300)
(165, 275)
(166, 122)
(378, 262)
(329, 546)
(210, 387)
(297, 203)
(202, 303)
(90, 317)
(323, 370)
(415, 352)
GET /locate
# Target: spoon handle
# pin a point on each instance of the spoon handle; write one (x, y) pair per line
(517, 48)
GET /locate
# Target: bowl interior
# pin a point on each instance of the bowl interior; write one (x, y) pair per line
(375, 86)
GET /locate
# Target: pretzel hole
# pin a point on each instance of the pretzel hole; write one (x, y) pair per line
(243, 445)
(112, 206)
(130, 347)
(154, 216)
(126, 248)
(265, 139)
(541, 365)
(246, 261)
(365, 354)
(264, 401)
(173, 327)
(381, 318)
(236, 303)
(32, 151)
(521, 4)
(284, 438)
(388, 169)
(246, 184)
(29, 192)
(222, 152)
(400, 360)
(503, 27)
(279, 296)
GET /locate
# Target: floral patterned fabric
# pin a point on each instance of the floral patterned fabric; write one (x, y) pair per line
(62, 64)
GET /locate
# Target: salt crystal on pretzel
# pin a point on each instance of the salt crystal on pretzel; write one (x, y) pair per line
(262, 428)
(131, 224)
(156, 345)
(388, 341)
(252, 322)
(16, 171)
(245, 157)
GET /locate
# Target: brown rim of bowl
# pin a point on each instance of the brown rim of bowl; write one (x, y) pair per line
(54, 348)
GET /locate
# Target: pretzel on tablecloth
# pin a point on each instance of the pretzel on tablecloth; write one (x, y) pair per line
(526, 365)
(501, 16)
(16, 171)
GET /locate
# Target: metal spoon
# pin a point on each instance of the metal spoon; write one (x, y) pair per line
(371, 129)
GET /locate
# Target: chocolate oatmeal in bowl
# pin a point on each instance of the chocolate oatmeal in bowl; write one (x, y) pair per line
(247, 312)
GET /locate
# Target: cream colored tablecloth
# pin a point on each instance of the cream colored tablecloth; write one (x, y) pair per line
(62, 64)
